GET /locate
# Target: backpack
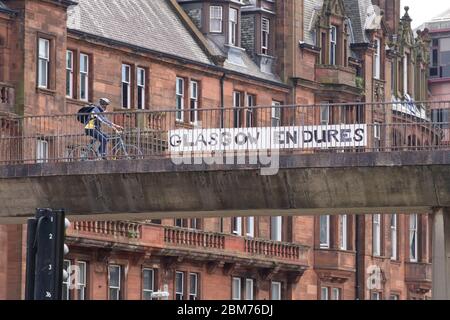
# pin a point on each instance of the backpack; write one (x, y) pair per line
(83, 114)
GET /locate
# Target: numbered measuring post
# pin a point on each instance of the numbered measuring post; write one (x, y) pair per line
(45, 255)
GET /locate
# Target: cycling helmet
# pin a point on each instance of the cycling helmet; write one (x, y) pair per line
(104, 102)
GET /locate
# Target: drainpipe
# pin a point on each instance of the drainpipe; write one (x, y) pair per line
(359, 267)
(222, 100)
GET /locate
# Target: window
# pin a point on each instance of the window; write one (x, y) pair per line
(179, 285)
(394, 297)
(275, 292)
(66, 283)
(193, 286)
(250, 227)
(194, 102)
(375, 296)
(215, 22)
(126, 85)
(232, 29)
(43, 64)
(81, 285)
(180, 99)
(405, 74)
(265, 29)
(140, 88)
(336, 294)
(41, 151)
(343, 228)
(413, 238)
(114, 278)
(333, 45)
(324, 115)
(237, 113)
(84, 77)
(148, 279)
(69, 74)
(276, 228)
(394, 237)
(248, 289)
(377, 60)
(236, 289)
(324, 293)
(237, 226)
(324, 232)
(376, 234)
(251, 102)
(276, 114)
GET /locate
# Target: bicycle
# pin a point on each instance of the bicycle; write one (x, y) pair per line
(120, 150)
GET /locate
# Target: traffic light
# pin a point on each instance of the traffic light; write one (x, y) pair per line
(45, 255)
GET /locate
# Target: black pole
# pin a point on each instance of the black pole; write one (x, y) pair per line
(31, 259)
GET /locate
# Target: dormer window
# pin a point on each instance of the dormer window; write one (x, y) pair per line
(265, 29)
(333, 45)
(216, 18)
(233, 27)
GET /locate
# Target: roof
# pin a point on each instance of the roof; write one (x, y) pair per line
(152, 25)
(4, 8)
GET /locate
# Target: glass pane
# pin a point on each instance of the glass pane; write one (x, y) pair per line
(276, 291)
(193, 284)
(43, 48)
(179, 282)
(83, 86)
(147, 295)
(324, 230)
(114, 276)
(236, 289)
(84, 63)
(113, 294)
(324, 293)
(82, 276)
(43, 73)
(69, 62)
(148, 279)
(125, 96)
(140, 97)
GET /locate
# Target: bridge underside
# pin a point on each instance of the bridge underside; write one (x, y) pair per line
(351, 183)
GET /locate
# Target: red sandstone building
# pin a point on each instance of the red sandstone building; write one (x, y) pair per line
(55, 56)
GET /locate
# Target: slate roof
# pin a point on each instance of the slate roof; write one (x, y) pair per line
(355, 10)
(4, 8)
(149, 24)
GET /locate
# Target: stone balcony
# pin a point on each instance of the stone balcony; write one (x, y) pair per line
(6, 98)
(193, 244)
(334, 265)
(336, 75)
(418, 277)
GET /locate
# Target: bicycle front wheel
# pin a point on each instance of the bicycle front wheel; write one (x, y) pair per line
(129, 152)
(83, 153)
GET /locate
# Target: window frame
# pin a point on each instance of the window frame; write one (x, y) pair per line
(141, 74)
(279, 285)
(42, 150)
(127, 83)
(193, 101)
(265, 36)
(45, 58)
(193, 295)
(376, 236)
(144, 290)
(119, 288)
(276, 114)
(236, 226)
(236, 281)
(237, 109)
(179, 95)
(413, 236)
(84, 74)
(233, 27)
(394, 235)
(377, 60)
(333, 45)
(67, 281)
(82, 286)
(343, 219)
(218, 17)
(276, 228)
(327, 244)
(69, 73)
(250, 227)
(179, 295)
(251, 111)
(251, 287)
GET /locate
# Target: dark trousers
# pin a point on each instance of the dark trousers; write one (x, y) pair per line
(100, 137)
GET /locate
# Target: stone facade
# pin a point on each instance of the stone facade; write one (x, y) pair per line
(298, 266)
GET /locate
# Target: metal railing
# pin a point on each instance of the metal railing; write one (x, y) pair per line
(349, 127)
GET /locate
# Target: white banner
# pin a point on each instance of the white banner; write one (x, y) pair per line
(267, 138)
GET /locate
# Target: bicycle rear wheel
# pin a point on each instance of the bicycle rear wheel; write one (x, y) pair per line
(83, 153)
(129, 152)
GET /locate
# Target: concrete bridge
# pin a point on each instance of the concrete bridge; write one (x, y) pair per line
(331, 183)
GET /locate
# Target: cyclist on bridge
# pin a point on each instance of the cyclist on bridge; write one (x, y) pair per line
(94, 125)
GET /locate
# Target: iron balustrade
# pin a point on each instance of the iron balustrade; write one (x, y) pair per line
(384, 127)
